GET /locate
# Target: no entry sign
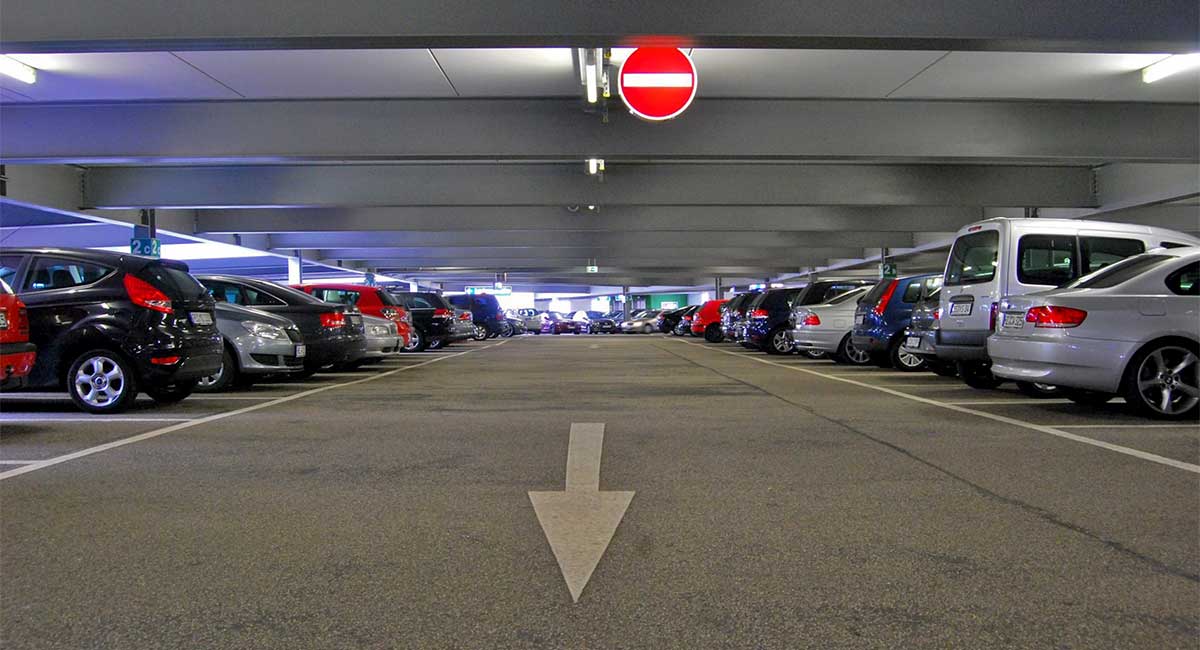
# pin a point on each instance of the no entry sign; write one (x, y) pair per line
(657, 83)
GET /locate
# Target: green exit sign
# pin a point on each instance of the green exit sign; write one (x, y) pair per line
(593, 269)
(147, 246)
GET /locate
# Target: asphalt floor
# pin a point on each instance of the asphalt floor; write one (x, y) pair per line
(781, 502)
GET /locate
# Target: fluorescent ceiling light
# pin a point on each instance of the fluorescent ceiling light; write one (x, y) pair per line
(13, 68)
(590, 83)
(595, 165)
(1169, 66)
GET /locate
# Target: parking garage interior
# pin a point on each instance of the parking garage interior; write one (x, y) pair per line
(621, 487)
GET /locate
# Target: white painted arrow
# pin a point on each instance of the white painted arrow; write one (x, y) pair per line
(580, 522)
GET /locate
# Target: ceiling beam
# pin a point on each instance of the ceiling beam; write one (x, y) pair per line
(560, 185)
(555, 129)
(538, 241)
(1059, 25)
(635, 218)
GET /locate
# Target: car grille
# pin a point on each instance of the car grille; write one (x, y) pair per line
(277, 360)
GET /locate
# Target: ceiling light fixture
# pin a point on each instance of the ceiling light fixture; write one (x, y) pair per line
(1173, 64)
(590, 78)
(13, 68)
(595, 166)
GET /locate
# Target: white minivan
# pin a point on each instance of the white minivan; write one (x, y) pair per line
(1015, 256)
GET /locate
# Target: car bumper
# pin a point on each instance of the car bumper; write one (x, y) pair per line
(963, 345)
(926, 347)
(382, 346)
(16, 361)
(258, 356)
(199, 357)
(810, 338)
(1090, 364)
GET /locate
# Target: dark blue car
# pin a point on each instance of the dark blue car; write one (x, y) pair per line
(768, 317)
(884, 313)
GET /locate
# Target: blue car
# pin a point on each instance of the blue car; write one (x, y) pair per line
(884, 313)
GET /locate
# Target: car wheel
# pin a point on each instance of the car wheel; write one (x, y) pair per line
(1161, 382)
(223, 378)
(1037, 390)
(416, 341)
(713, 334)
(647, 330)
(1086, 397)
(172, 393)
(905, 361)
(99, 381)
(850, 354)
(978, 375)
(506, 330)
(436, 343)
(779, 341)
(480, 334)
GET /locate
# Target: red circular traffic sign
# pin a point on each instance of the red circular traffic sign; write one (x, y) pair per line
(657, 83)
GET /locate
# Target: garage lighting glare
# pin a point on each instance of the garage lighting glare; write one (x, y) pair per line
(11, 67)
(1171, 65)
(590, 83)
(595, 166)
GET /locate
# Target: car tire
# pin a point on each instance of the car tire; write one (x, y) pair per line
(850, 355)
(713, 333)
(480, 333)
(647, 330)
(779, 341)
(417, 341)
(1037, 390)
(978, 375)
(172, 393)
(1158, 375)
(506, 330)
(436, 343)
(1087, 397)
(225, 377)
(81, 378)
(904, 361)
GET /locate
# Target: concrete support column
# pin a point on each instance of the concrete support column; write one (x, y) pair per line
(295, 273)
(717, 286)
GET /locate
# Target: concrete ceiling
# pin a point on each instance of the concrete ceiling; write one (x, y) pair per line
(422, 154)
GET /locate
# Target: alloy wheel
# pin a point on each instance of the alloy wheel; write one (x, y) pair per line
(782, 342)
(213, 379)
(1167, 380)
(100, 382)
(909, 360)
(414, 341)
(855, 355)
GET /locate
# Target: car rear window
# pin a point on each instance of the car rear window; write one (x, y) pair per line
(1119, 272)
(174, 280)
(822, 292)
(912, 292)
(339, 296)
(876, 292)
(973, 258)
(419, 300)
(1098, 252)
(1046, 259)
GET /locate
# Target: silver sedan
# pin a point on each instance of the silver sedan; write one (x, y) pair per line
(826, 328)
(1130, 329)
(257, 344)
(383, 339)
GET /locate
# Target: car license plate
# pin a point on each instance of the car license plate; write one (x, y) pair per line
(3, 320)
(913, 342)
(961, 308)
(860, 319)
(1015, 321)
(301, 350)
(201, 318)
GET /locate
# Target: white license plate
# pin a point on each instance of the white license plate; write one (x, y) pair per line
(201, 318)
(913, 342)
(301, 350)
(1015, 321)
(860, 319)
(3, 320)
(961, 308)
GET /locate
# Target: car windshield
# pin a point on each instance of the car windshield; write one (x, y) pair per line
(973, 258)
(1114, 274)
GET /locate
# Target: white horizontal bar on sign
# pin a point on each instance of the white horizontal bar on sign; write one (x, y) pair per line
(657, 80)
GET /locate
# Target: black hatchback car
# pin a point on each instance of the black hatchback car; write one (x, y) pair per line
(489, 318)
(332, 335)
(432, 320)
(110, 325)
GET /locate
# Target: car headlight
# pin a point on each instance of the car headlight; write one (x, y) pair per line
(265, 330)
(379, 330)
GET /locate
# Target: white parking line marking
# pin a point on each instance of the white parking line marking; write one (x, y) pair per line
(931, 386)
(1184, 425)
(41, 464)
(16, 462)
(1154, 458)
(51, 417)
(222, 398)
(989, 402)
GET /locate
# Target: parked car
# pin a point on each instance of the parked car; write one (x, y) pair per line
(609, 323)
(256, 344)
(464, 323)
(516, 324)
(668, 319)
(488, 317)
(828, 328)
(1015, 256)
(332, 333)
(432, 319)
(531, 318)
(17, 354)
(110, 325)
(557, 323)
(884, 314)
(735, 312)
(706, 321)
(1131, 329)
(920, 338)
(369, 301)
(767, 321)
(684, 326)
(643, 322)
(383, 339)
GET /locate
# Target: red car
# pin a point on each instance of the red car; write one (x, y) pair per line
(556, 323)
(17, 354)
(706, 321)
(371, 301)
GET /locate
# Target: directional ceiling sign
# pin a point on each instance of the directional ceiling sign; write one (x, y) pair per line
(657, 83)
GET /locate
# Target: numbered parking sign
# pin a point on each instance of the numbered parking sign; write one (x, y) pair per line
(147, 246)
